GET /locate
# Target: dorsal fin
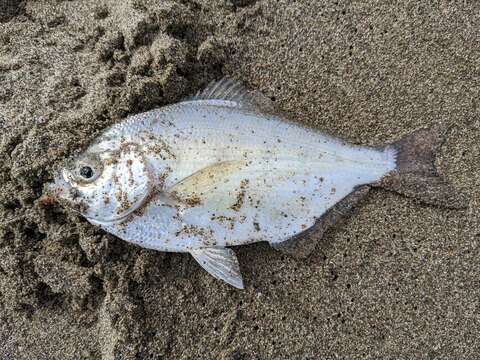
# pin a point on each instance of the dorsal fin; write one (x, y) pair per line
(228, 89)
(224, 89)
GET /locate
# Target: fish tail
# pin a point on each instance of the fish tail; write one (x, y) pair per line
(416, 175)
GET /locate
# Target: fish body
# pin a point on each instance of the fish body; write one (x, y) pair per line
(212, 172)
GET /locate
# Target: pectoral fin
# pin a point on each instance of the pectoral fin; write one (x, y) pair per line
(195, 188)
(221, 263)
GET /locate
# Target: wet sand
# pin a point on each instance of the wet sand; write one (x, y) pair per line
(399, 280)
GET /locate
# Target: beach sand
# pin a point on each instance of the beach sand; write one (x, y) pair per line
(398, 280)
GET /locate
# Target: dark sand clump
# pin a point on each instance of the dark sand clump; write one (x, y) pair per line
(400, 280)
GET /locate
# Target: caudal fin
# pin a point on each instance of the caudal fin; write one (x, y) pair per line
(416, 175)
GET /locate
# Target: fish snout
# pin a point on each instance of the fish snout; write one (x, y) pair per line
(56, 191)
(58, 188)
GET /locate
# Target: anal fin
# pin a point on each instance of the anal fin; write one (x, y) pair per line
(302, 245)
(221, 263)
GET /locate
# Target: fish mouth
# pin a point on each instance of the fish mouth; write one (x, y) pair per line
(61, 191)
(58, 188)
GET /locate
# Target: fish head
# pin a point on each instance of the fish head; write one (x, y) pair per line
(106, 183)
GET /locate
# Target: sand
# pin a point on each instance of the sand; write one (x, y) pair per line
(399, 280)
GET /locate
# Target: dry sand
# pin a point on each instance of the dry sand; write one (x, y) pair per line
(400, 280)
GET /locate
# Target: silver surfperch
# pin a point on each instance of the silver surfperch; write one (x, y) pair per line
(224, 168)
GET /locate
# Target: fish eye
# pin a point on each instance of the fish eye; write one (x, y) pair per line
(86, 172)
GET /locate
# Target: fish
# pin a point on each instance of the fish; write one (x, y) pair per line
(226, 168)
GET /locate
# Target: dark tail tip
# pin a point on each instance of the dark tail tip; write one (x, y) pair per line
(416, 175)
(417, 151)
